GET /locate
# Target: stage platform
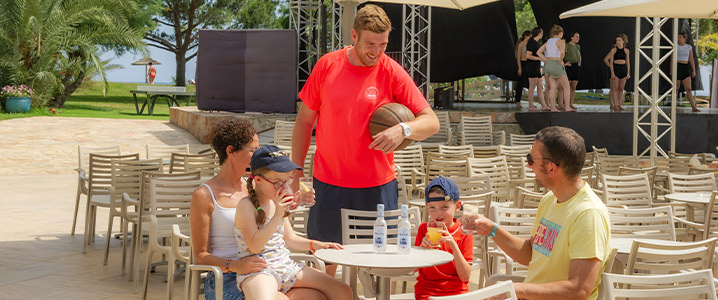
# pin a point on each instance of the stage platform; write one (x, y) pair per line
(696, 132)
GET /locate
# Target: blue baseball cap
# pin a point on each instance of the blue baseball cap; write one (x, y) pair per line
(272, 157)
(451, 191)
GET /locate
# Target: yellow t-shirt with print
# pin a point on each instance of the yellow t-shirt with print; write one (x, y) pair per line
(576, 229)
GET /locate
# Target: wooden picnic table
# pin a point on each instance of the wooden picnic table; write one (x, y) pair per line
(153, 93)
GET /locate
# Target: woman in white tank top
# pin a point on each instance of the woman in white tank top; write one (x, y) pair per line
(213, 209)
(686, 68)
(552, 53)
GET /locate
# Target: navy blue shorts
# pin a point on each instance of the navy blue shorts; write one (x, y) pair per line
(325, 217)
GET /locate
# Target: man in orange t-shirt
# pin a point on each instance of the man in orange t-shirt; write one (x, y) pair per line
(353, 169)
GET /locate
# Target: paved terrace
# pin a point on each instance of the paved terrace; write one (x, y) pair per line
(38, 257)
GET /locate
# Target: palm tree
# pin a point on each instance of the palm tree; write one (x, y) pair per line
(52, 45)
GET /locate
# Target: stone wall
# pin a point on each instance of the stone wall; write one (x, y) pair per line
(199, 123)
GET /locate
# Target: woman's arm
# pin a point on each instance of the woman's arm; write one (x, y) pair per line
(246, 220)
(628, 63)
(579, 58)
(292, 240)
(540, 52)
(609, 61)
(690, 61)
(530, 54)
(561, 44)
(199, 220)
(518, 56)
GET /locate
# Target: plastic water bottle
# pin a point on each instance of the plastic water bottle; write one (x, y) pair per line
(403, 240)
(380, 230)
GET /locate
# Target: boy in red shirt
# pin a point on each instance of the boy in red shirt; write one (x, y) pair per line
(452, 278)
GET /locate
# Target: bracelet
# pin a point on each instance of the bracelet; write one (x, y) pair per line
(493, 232)
(311, 247)
(226, 266)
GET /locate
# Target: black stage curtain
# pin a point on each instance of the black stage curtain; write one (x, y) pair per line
(473, 42)
(597, 36)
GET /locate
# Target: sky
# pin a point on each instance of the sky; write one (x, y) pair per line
(165, 72)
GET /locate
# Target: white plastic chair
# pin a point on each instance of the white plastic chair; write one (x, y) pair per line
(98, 195)
(83, 162)
(498, 170)
(690, 285)
(126, 180)
(139, 218)
(521, 139)
(653, 258)
(444, 136)
(517, 221)
(170, 201)
(644, 223)
(207, 164)
(504, 289)
(632, 191)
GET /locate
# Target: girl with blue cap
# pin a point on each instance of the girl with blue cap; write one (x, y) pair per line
(263, 229)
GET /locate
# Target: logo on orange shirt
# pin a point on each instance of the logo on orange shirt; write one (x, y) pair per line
(545, 236)
(371, 92)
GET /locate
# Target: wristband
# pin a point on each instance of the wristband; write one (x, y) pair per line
(226, 266)
(493, 232)
(311, 247)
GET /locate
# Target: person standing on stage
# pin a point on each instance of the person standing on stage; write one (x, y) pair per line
(353, 169)
(533, 69)
(686, 68)
(619, 63)
(572, 61)
(553, 52)
(521, 63)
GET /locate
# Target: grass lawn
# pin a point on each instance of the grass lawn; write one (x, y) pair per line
(88, 102)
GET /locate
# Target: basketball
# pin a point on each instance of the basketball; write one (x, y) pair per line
(387, 116)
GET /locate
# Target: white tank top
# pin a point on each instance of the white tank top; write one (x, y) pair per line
(222, 241)
(551, 49)
(683, 52)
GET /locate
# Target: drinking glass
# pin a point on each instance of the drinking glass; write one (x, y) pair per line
(468, 219)
(306, 186)
(433, 232)
(468, 222)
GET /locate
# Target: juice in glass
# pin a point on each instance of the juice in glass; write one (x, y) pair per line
(433, 232)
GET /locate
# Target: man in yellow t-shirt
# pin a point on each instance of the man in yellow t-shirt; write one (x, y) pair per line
(570, 239)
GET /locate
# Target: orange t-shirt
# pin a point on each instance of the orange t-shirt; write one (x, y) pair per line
(345, 96)
(443, 280)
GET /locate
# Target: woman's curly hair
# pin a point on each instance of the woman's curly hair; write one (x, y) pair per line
(236, 132)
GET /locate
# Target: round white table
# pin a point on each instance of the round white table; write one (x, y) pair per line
(384, 265)
(700, 199)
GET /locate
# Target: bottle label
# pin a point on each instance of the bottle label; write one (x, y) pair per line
(403, 238)
(379, 237)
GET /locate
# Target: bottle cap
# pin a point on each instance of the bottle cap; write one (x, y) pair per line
(380, 207)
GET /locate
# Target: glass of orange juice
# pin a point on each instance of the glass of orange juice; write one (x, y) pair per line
(433, 232)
